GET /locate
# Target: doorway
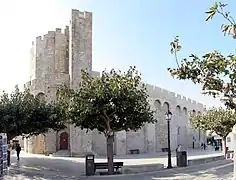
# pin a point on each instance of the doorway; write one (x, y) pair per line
(64, 141)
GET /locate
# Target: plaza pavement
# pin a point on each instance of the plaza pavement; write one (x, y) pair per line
(74, 167)
(218, 170)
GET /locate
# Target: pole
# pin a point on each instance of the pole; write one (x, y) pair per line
(234, 158)
(169, 150)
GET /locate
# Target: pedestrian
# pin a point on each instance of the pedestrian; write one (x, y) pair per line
(178, 149)
(18, 149)
(204, 146)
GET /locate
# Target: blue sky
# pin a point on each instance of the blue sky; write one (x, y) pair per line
(126, 32)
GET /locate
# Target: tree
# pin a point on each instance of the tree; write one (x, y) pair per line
(214, 71)
(111, 103)
(218, 120)
(21, 113)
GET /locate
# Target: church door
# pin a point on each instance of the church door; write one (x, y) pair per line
(64, 141)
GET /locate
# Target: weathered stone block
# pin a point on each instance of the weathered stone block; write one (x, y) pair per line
(120, 143)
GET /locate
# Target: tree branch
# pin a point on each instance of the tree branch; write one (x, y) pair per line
(226, 17)
(176, 58)
(111, 114)
(106, 119)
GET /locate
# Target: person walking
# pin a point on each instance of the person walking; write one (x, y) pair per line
(18, 149)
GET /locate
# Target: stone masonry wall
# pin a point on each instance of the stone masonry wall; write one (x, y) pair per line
(80, 45)
(136, 140)
(156, 135)
(80, 58)
(49, 62)
(59, 58)
(62, 51)
(99, 143)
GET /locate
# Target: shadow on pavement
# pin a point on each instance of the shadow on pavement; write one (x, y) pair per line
(198, 172)
(47, 166)
(23, 175)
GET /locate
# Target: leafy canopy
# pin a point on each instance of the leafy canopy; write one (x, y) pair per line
(113, 102)
(216, 120)
(214, 71)
(21, 113)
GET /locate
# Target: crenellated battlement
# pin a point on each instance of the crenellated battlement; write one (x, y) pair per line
(58, 31)
(155, 90)
(81, 14)
(172, 97)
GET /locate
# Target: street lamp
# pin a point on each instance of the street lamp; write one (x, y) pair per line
(168, 116)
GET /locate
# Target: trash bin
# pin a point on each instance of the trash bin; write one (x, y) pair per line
(89, 165)
(181, 159)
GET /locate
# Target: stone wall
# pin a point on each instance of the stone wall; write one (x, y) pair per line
(99, 143)
(80, 141)
(80, 57)
(50, 54)
(58, 58)
(153, 137)
(136, 140)
(52, 58)
(62, 51)
(80, 45)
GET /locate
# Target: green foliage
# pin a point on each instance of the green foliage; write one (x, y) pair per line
(216, 120)
(211, 71)
(64, 97)
(21, 113)
(214, 71)
(113, 102)
(219, 8)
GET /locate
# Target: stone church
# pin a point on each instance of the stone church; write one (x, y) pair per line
(58, 57)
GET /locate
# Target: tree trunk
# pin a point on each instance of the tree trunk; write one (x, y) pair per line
(110, 140)
(224, 146)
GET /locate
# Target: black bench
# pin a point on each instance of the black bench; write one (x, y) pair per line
(164, 149)
(134, 151)
(117, 165)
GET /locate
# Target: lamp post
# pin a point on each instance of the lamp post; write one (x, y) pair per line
(168, 116)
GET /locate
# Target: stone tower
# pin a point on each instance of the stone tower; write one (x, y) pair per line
(80, 45)
(80, 59)
(58, 58)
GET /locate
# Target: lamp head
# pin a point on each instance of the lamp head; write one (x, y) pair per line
(168, 115)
